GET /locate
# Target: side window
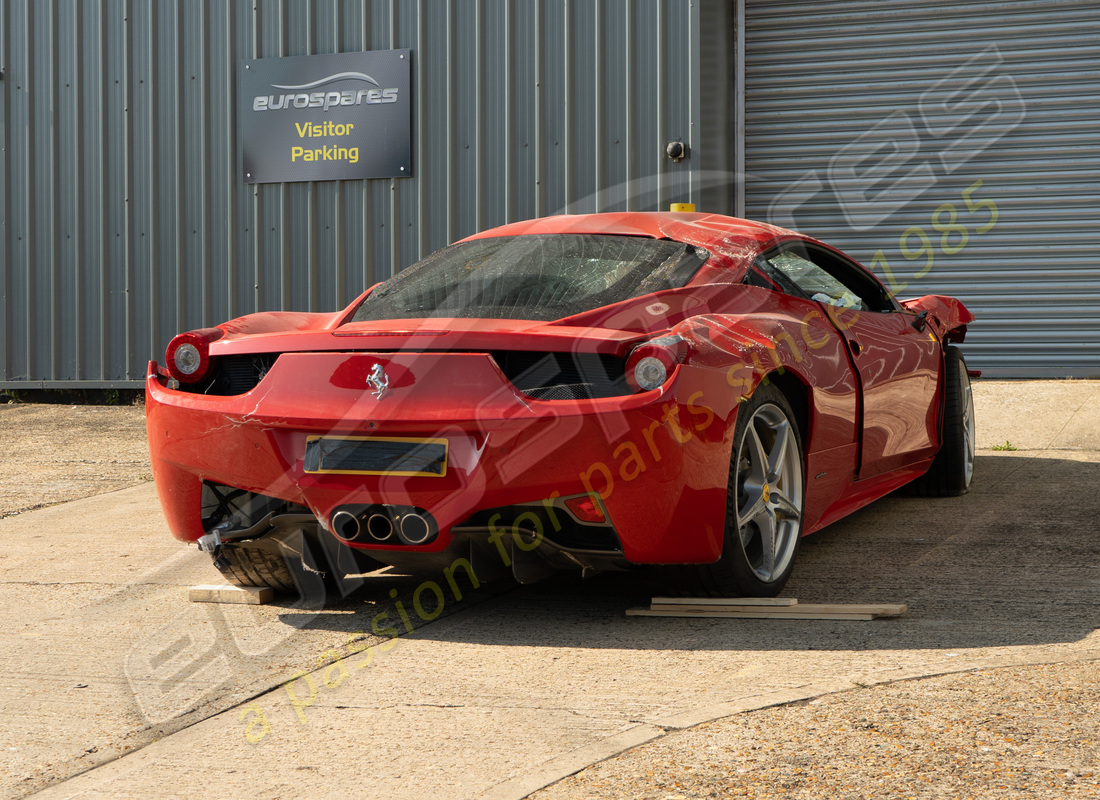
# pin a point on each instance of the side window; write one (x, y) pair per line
(818, 274)
(813, 281)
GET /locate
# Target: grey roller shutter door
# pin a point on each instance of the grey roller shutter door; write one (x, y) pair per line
(956, 144)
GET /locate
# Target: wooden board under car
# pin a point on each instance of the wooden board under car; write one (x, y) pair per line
(763, 608)
(248, 595)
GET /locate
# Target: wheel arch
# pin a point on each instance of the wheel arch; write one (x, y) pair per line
(797, 392)
(743, 568)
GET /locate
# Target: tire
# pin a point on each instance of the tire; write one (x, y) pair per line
(953, 467)
(313, 565)
(255, 566)
(764, 506)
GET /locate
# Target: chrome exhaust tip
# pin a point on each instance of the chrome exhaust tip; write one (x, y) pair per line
(380, 527)
(414, 529)
(346, 525)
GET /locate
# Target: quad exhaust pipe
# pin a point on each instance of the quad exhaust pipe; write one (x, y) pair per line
(346, 525)
(412, 526)
(380, 527)
(414, 529)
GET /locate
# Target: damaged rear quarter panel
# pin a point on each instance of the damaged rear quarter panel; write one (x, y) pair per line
(767, 335)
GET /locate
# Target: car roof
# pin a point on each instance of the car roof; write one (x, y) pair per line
(711, 231)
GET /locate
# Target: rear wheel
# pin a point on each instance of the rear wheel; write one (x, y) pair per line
(953, 468)
(763, 506)
(255, 566)
(313, 564)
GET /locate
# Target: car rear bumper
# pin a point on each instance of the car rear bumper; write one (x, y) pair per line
(659, 460)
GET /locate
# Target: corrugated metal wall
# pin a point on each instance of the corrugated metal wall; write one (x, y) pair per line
(867, 122)
(124, 216)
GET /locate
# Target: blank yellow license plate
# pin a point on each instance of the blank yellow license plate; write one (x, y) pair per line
(376, 455)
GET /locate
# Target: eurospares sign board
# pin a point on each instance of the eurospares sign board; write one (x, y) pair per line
(326, 118)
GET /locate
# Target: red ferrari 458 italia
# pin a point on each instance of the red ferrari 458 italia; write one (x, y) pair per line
(575, 392)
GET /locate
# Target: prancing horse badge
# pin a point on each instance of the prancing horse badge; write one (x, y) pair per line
(378, 380)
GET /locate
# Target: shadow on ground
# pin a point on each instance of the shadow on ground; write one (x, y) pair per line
(1015, 562)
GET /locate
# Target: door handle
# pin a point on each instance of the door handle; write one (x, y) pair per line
(856, 347)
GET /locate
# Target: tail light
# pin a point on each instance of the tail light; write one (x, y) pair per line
(651, 362)
(188, 355)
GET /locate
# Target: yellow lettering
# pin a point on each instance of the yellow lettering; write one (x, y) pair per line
(401, 610)
(672, 417)
(647, 434)
(548, 504)
(697, 410)
(609, 481)
(813, 344)
(298, 703)
(378, 630)
(354, 646)
(741, 384)
(841, 323)
(359, 647)
(449, 574)
(418, 606)
(634, 458)
(338, 667)
(494, 536)
(517, 532)
(784, 336)
(260, 718)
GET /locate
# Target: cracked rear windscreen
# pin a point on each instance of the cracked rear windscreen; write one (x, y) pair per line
(538, 277)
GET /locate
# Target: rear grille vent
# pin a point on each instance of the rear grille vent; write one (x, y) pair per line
(233, 375)
(563, 376)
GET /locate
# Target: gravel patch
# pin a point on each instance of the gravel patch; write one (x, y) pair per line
(1007, 733)
(54, 454)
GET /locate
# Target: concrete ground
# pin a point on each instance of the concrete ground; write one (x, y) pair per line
(116, 686)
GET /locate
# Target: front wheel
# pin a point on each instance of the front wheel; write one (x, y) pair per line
(953, 468)
(764, 504)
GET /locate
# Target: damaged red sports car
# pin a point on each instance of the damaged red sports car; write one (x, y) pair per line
(575, 392)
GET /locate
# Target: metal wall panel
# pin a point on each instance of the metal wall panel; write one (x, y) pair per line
(867, 120)
(124, 216)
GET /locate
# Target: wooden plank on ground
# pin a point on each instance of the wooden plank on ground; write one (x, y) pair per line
(704, 609)
(790, 611)
(744, 613)
(879, 609)
(248, 595)
(723, 601)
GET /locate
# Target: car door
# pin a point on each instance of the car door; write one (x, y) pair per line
(897, 366)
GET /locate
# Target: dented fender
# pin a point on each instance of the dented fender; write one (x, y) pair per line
(947, 316)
